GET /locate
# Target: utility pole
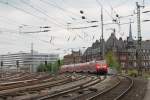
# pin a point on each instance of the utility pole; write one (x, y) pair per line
(102, 31)
(1, 69)
(138, 49)
(31, 69)
(91, 53)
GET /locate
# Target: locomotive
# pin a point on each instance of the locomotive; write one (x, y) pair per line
(97, 67)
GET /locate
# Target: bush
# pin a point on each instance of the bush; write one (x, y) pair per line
(41, 68)
(112, 61)
(133, 73)
(50, 67)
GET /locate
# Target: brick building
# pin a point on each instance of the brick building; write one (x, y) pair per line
(125, 51)
(74, 57)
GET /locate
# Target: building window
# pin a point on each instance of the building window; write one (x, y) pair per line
(134, 64)
(123, 64)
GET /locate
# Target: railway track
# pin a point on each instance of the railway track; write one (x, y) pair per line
(34, 88)
(20, 77)
(116, 92)
(25, 84)
(64, 88)
(69, 92)
(53, 88)
(11, 76)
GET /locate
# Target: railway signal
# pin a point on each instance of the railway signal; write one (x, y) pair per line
(1, 63)
(59, 63)
(17, 65)
(1, 68)
(45, 63)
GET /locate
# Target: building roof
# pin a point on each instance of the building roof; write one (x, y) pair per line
(145, 44)
(95, 48)
(130, 34)
(113, 42)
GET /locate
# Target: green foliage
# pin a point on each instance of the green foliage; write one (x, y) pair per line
(133, 73)
(41, 68)
(112, 61)
(56, 65)
(50, 67)
(146, 75)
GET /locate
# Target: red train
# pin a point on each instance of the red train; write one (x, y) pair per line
(99, 67)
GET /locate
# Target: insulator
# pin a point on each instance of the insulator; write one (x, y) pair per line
(83, 17)
(81, 12)
(117, 15)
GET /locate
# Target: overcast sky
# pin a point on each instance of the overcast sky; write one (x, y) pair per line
(20, 17)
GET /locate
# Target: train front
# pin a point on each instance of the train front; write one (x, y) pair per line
(101, 67)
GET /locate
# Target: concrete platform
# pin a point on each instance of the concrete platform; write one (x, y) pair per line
(147, 95)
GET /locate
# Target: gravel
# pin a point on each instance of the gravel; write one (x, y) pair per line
(138, 90)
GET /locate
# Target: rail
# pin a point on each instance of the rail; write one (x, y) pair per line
(111, 89)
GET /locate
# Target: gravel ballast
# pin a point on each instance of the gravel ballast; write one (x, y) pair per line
(138, 90)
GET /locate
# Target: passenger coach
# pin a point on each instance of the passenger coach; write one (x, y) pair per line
(99, 67)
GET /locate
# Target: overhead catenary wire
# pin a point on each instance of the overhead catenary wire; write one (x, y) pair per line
(12, 43)
(85, 27)
(68, 13)
(98, 2)
(47, 41)
(14, 32)
(13, 22)
(6, 3)
(60, 8)
(121, 4)
(8, 20)
(52, 21)
(29, 13)
(40, 10)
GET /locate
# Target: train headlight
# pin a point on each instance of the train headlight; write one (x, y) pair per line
(104, 66)
(97, 66)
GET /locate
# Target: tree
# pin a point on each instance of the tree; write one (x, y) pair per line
(41, 68)
(57, 65)
(112, 60)
(50, 67)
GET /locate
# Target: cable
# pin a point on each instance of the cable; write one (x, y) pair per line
(62, 9)
(85, 27)
(6, 3)
(10, 20)
(98, 2)
(56, 6)
(121, 4)
(42, 13)
(13, 31)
